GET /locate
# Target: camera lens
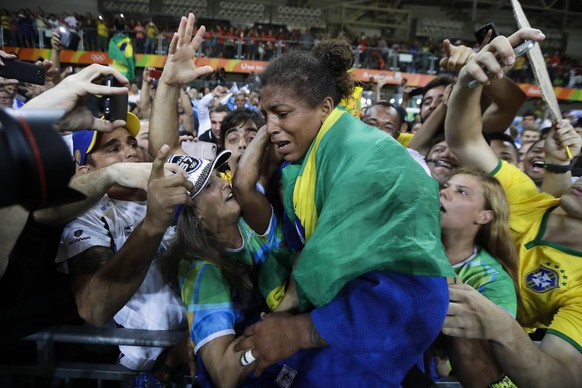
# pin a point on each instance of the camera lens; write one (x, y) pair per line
(35, 163)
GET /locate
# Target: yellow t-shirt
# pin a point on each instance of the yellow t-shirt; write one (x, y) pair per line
(550, 274)
(404, 138)
(102, 29)
(151, 31)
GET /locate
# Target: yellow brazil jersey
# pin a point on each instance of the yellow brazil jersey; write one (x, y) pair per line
(550, 274)
(404, 138)
(102, 29)
(151, 31)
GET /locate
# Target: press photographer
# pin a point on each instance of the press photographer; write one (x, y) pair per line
(36, 164)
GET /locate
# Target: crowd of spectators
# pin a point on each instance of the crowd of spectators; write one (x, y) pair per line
(27, 28)
(341, 221)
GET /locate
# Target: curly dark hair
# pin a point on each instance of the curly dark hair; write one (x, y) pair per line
(316, 74)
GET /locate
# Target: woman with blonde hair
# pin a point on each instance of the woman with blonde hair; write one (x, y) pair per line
(477, 239)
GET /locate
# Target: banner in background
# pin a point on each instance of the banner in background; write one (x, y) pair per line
(244, 66)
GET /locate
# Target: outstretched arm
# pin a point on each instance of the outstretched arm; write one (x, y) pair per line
(145, 99)
(561, 135)
(421, 140)
(178, 70)
(103, 280)
(473, 362)
(56, 57)
(463, 124)
(256, 208)
(555, 363)
(378, 88)
(94, 184)
(506, 99)
(70, 96)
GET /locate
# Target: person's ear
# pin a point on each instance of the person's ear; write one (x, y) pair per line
(327, 107)
(484, 217)
(81, 170)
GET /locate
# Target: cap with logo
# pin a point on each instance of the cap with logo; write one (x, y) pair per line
(84, 141)
(199, 170)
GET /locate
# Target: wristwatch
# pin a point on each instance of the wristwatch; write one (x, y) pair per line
(559, 168)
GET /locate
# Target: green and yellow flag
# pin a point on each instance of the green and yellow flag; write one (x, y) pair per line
(365, 205)
(121, 52)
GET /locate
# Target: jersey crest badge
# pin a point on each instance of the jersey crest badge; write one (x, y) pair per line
(542, 280)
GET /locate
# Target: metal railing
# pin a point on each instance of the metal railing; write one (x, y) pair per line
(265, 49)
(47, 364)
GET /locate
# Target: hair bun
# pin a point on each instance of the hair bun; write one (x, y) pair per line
(336, 54)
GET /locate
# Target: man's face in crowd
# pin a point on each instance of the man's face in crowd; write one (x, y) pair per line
(430, 101)
(385, 118)
(240, 101)
(215, 122)
(6, 99)
(505, 151)
(533, 162)
(115, 147)
(528, 120)
(11, 89)
(441, 162)
(530, 136)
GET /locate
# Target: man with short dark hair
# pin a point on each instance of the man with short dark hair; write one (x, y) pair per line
(216, 116)
(389, 118)
(433, 95)
(110, 250)
(504, 147)
(384, 116)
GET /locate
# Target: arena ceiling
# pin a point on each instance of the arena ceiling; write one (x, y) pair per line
(556, 14)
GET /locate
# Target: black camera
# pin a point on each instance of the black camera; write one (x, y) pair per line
(35, 163)
(69, 39)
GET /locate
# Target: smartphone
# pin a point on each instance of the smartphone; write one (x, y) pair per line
(200, 149)
(481, 33)
(523, 48)
(115, 107)
(517, 51)
(155, 73)
(22, 71)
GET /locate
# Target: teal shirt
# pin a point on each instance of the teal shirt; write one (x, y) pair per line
(485, 274)
(206, 294)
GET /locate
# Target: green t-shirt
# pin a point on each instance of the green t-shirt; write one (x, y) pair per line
(485, 274)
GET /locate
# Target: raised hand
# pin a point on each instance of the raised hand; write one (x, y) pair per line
(56, 41)
(165, 192)
(560, 136)
(455, 56)
(71, 94)
(146, 77)
(497, 57)
(180, 67)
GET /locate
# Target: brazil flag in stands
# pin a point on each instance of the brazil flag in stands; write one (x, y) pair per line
(361, 204)
(121, 52)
